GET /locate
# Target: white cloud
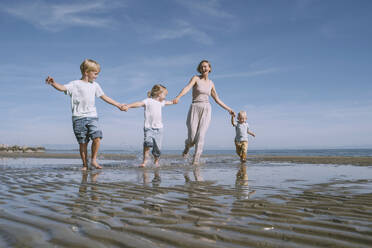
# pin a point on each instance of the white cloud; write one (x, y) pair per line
(55, 17)
(183, 29)
(207, 7)
(143, 72)
(249, 73)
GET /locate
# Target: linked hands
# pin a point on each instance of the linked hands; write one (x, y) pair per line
(123, 107)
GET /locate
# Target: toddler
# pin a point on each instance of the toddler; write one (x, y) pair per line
(241, 138)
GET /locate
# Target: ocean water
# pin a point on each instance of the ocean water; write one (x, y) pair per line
(268, 152)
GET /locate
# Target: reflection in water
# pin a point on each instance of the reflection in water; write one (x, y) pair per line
(145, 178)
(241, 183)
(88, 197)
(83, 189)
(197, 175)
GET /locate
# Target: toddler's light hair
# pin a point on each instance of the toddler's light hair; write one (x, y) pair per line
(89, 65)
(242, 114)
(200, 64)
(156, 90)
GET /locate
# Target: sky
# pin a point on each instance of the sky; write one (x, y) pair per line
(300, 68)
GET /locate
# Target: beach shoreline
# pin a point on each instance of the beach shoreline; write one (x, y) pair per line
(340, 160)
(46, 200)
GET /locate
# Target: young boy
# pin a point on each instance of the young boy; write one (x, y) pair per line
(84, 113)
(241, 138)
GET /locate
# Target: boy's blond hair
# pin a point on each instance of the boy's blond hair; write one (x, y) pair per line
(156, 90)
(200, 64)
(89, 65)
(242, 114)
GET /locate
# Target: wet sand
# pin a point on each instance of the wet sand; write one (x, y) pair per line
(49, 202)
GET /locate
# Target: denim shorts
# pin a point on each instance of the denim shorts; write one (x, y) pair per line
(86, 128)
(153, 138)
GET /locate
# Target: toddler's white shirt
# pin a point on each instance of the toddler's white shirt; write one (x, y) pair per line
(153, 117)
(241, 132)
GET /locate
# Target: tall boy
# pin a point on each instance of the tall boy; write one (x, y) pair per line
(84, 113)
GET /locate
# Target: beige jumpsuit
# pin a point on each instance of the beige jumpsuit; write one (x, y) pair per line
(199, 117)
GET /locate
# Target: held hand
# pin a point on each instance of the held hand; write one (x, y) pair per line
(49, 80)
(124, 107)
(175, 101)
(231, 112)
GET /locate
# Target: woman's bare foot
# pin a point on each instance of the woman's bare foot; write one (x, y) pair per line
(185, 152)
(85, 168)
(96, 165)
(195, 161)
(142, 165)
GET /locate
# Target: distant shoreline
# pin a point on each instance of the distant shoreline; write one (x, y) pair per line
(341, 160)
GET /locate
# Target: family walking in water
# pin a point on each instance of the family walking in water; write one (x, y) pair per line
(85, 120)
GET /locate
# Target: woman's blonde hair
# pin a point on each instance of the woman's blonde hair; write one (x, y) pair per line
(200, 64)
(156, 90)
(242, 114)
(89, 65)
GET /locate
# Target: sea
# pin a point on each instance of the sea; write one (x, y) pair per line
(353, 152)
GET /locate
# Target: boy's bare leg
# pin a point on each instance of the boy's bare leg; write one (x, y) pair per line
(146, 151)
(95, 146)
(84, 154)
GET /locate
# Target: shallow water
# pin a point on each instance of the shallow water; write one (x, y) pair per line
(51, 203)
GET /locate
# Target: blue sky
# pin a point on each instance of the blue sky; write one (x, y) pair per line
(300, 68)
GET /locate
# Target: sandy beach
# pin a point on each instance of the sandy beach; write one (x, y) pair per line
(46, 201)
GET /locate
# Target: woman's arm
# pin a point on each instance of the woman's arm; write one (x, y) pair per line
(219, 102)
(186, 89)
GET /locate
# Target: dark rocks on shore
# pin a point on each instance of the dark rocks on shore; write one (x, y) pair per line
(24, 149)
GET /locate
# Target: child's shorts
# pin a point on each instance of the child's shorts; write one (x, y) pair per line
(86, 128)
(241, 149)
(153, 138)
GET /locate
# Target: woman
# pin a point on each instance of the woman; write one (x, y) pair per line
(199, 115)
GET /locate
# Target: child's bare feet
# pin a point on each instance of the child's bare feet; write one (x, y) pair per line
(142, 165)
(156, 162)
(96, 165)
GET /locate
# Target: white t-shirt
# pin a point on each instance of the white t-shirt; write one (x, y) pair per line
(241, 132)
(153, 113)
(83, 98)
